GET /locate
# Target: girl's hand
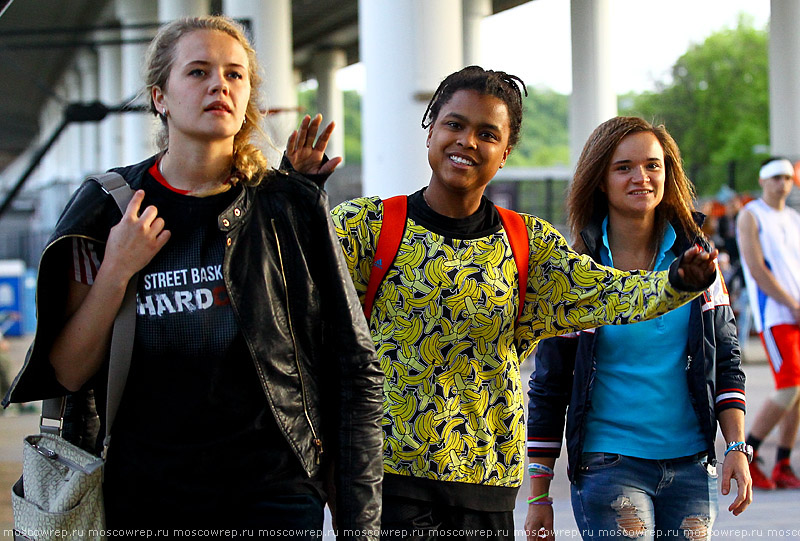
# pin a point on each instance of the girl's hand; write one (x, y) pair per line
(305, 155)
(735, 467)
(697, 267)
(539, 523)
(136, 239)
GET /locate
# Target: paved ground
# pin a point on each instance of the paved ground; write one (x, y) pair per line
(772, 516)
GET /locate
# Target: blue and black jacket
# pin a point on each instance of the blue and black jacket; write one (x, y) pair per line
(564, 370)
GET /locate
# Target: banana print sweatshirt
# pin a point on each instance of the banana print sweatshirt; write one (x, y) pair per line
(444, 323)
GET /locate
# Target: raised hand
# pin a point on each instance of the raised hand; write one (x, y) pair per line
(697, 267)
(306, 155)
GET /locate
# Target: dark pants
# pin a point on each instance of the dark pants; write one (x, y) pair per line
(293, 516)
(417, 520)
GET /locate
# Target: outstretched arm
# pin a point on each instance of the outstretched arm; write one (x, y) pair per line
(81, 346)
(697, 268)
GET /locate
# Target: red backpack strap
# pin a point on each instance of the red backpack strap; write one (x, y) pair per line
(395, 210)
(517, 233)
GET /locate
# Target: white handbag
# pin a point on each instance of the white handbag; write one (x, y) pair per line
(60, 493)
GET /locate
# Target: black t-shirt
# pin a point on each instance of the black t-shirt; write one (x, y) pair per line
(194, 420)
(483, 222)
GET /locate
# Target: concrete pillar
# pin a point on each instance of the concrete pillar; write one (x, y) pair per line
(109, 63)
(137, 128)
(784, 79)
(49, 118)
(169, 10)
(271, 35)
(593, 98)
(407, 47)
(474, 13)
(90, 148)
(330, 100)
(70, 149)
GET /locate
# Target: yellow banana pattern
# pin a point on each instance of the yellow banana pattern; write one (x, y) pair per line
(443, 323)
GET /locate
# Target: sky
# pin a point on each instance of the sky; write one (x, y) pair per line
(532, 41)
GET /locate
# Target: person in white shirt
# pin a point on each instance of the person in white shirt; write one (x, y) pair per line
(768, 233)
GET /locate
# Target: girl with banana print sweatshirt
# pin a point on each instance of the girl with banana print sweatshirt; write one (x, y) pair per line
(446, 324)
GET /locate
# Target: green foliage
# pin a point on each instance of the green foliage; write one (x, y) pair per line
(307, 101)
(352, 127)
(544, 138)
(716, 106)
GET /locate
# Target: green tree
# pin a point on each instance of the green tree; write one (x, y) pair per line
(716, 106)
(544, 138)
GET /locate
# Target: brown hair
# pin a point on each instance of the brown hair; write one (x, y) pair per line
(586, 201)
(248, 160)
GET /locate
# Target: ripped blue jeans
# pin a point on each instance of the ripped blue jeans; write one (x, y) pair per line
(622, 497)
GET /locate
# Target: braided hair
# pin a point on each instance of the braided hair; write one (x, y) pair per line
(499, 84)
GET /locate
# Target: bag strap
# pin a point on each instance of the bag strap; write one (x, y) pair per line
(517, 233)
(395, 211)
(121, 336)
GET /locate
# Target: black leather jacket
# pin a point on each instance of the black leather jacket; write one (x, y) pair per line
(297, 309)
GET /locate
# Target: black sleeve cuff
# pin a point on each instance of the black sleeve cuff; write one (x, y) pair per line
(319, 180)
(678, 283)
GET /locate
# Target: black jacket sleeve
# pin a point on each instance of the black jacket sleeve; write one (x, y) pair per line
(550, 388)
(357, 379)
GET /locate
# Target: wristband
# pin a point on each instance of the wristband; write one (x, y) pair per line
(731, 446)
(541, 499)
(535, 468)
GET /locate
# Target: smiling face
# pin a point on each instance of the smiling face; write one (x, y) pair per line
(208, 88)
(467, 144)
(635, 176)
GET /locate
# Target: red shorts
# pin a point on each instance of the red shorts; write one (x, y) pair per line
(782, 343)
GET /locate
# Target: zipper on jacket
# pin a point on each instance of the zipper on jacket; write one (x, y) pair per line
(314, 438)
(588, 401)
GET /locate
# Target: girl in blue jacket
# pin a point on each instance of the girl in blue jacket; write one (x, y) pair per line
(642, 401)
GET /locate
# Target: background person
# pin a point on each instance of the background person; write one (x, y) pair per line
(445, 318)
(252, 370)
(769, 243)
(642, 401)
